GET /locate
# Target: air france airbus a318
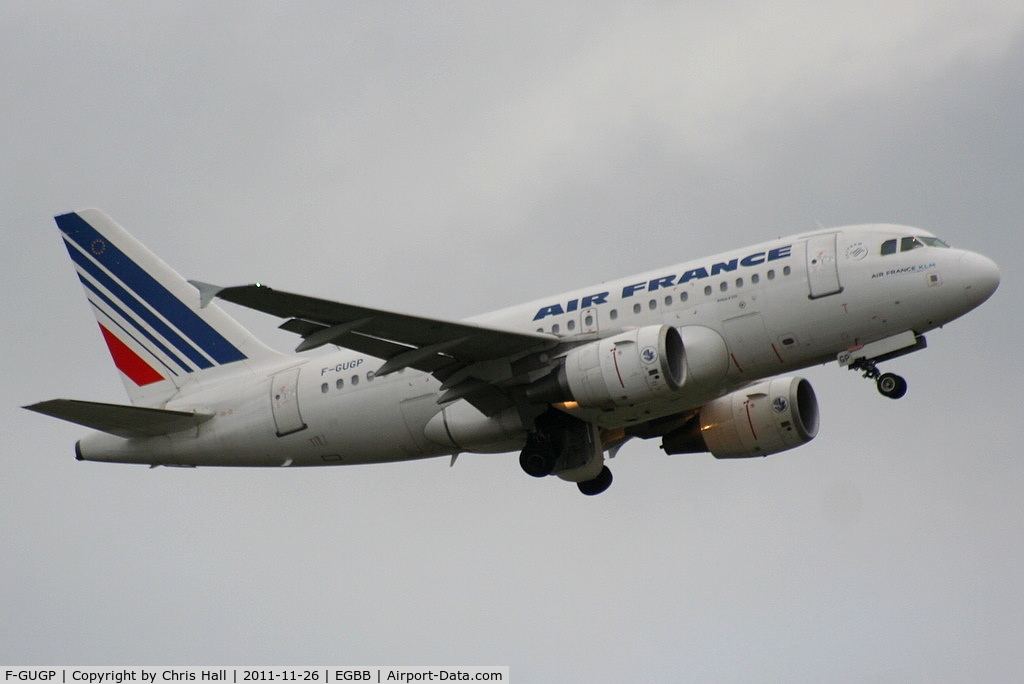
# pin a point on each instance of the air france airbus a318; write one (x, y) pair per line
(692, 354)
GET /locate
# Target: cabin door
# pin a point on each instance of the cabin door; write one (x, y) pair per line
(823, 266)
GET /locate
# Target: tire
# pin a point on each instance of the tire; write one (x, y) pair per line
(891, 385)
(600, 483)
(537, 462)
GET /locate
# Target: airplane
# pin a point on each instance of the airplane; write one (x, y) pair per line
(697, 355)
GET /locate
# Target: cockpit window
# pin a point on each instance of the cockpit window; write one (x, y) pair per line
(908, 243)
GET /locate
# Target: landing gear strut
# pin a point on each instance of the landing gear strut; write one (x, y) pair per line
(889, 384)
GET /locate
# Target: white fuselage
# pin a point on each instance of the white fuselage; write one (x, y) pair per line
(779, 306)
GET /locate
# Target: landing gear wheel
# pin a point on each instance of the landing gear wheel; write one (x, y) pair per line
(537, 459)
(598, 484)
(891, 385)
(888, 384)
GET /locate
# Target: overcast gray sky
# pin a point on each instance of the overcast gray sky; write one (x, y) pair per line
(454, 158)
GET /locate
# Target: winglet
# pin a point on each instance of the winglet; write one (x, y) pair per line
(207, 292)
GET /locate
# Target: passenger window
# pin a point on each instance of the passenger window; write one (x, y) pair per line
(324, 387)
(652, 305)
(723, 286)
(355, 380)
(786, 271)
(755, 279)
(555, 329)
(636, 308)
(589, 320)
(668, 300)
(340, 383)
(370, 375)
(684, 296)
(771, 274)
(571, 325)
(707, 290)
(613, 314)
(739, 282)
(889, 247)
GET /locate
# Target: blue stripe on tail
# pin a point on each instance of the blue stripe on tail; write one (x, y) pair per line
(142, 314)
(141, 330)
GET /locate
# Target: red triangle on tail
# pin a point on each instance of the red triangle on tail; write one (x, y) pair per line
(130, 363)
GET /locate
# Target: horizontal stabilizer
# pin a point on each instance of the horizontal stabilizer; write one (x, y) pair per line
(119, 419)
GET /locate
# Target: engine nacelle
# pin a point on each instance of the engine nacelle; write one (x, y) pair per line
(637, 366)
(629, 368)
(764, 418)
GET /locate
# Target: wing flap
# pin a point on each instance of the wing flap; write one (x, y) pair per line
(119, 419)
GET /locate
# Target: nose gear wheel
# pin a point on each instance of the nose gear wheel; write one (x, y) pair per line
(889, 384)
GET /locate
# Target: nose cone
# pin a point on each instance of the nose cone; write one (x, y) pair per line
(980, 277)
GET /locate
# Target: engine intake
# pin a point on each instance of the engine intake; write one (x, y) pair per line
(764, 418)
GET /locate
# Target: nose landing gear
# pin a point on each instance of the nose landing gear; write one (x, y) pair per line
(865, 358)
(889, 384)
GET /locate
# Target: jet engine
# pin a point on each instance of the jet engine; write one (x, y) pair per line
(764, 418)
(634, 366)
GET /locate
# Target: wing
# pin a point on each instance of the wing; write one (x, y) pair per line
(474, 362)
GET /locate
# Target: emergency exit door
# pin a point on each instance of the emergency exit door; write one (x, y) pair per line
(284, 402)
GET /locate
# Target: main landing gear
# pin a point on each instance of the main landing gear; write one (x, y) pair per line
(888, 384)
(569, 448)
(539, 459)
